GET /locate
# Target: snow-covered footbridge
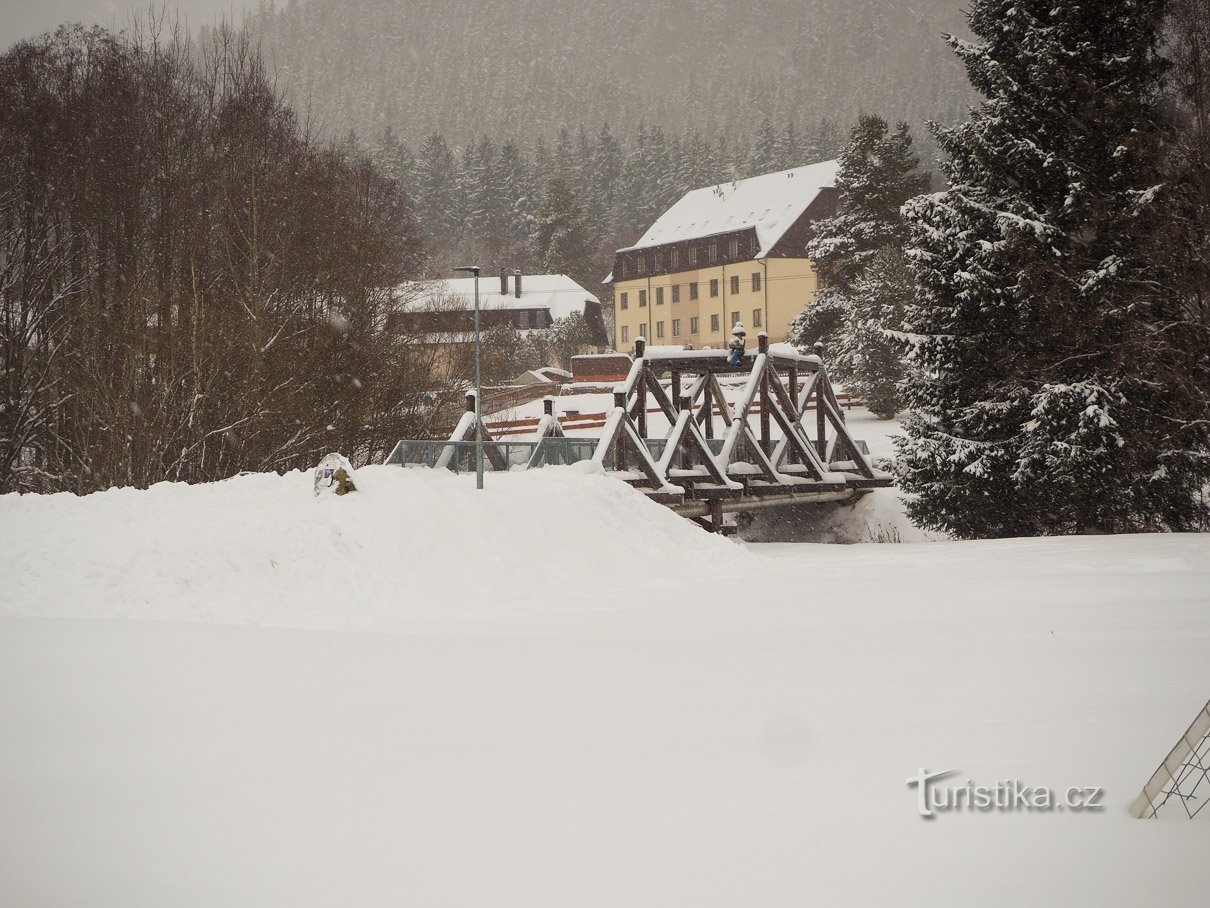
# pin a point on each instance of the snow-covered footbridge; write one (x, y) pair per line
(783, 441)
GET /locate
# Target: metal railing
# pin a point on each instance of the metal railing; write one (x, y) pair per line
(517, 455)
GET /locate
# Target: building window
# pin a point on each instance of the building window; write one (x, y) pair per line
(676, 293)
(625, 300)
(643, 330)
(693, 291)
(642, 264)
(524, 317)
(659, 296)
(714, 286)
(674, 259)
(693, 325)
(712, 252)
(735, 283)
(692, 256)
(659, 329)
(625, 333)
(734, 318)
(755, 318)
(755, 280)
(714, 323)
(642, 298)
(676, 327)
(733, 247)
(659, 261)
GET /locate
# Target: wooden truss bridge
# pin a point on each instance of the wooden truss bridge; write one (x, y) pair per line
(714, 458)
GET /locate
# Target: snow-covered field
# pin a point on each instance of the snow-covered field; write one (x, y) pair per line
(555, 692)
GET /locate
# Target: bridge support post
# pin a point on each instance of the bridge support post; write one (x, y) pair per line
(686, 404)
(619, 449)
(641, 403)
(821, 420)
(716, 515)
(796, 414)
(640, 392)
(766, 441)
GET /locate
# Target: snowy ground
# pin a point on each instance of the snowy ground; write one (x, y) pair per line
(557, 693)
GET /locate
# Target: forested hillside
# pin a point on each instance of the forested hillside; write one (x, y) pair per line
(543, 135)
(526, 67)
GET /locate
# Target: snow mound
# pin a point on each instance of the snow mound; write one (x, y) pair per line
(262, 549)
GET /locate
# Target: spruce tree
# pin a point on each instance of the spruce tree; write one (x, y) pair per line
(562, 243)
(1062, 374)
(858, 257)
(436, 179)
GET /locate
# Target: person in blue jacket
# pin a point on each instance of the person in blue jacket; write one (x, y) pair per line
(736, 345)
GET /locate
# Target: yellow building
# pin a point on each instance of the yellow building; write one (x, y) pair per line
(722, 254)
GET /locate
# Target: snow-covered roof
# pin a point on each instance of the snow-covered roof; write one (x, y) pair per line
(771, 203)
(532, 377)
(556, 292)
(544, 375)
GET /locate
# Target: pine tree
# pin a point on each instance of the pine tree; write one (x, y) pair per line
(436, 177)
(512, 216)
(858, 256)
(766, 150)
(874, 361)
(1062, 375)
(562, 243)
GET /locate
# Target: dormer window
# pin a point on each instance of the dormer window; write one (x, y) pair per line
(642, 264)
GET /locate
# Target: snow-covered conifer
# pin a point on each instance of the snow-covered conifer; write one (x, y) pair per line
(1062, 374)
(857, 256)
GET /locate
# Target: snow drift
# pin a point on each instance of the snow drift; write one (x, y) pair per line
(261, 549)
(555, 692)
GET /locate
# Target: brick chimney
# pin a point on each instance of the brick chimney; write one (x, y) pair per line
(503, 282)
(517, 280)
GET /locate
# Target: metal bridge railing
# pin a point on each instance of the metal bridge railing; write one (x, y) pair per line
(518, 455)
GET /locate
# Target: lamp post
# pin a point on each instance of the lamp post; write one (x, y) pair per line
(474, 269)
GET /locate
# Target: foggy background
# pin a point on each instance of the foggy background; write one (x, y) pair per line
(23, 18)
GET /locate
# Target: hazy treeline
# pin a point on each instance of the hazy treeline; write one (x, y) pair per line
(564, 207)
(189, 286)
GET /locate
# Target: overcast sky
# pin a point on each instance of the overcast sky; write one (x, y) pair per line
(22, 18)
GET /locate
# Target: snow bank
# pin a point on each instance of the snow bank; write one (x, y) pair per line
(261, 549)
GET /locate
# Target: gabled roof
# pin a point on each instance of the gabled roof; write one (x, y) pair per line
(555, 292)
(770, 203)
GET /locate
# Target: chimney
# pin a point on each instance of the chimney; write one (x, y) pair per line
(503, 282)
(517, 279)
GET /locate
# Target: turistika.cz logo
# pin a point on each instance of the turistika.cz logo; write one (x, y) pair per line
(1009, 795)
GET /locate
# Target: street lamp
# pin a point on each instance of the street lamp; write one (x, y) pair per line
(474, 269)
